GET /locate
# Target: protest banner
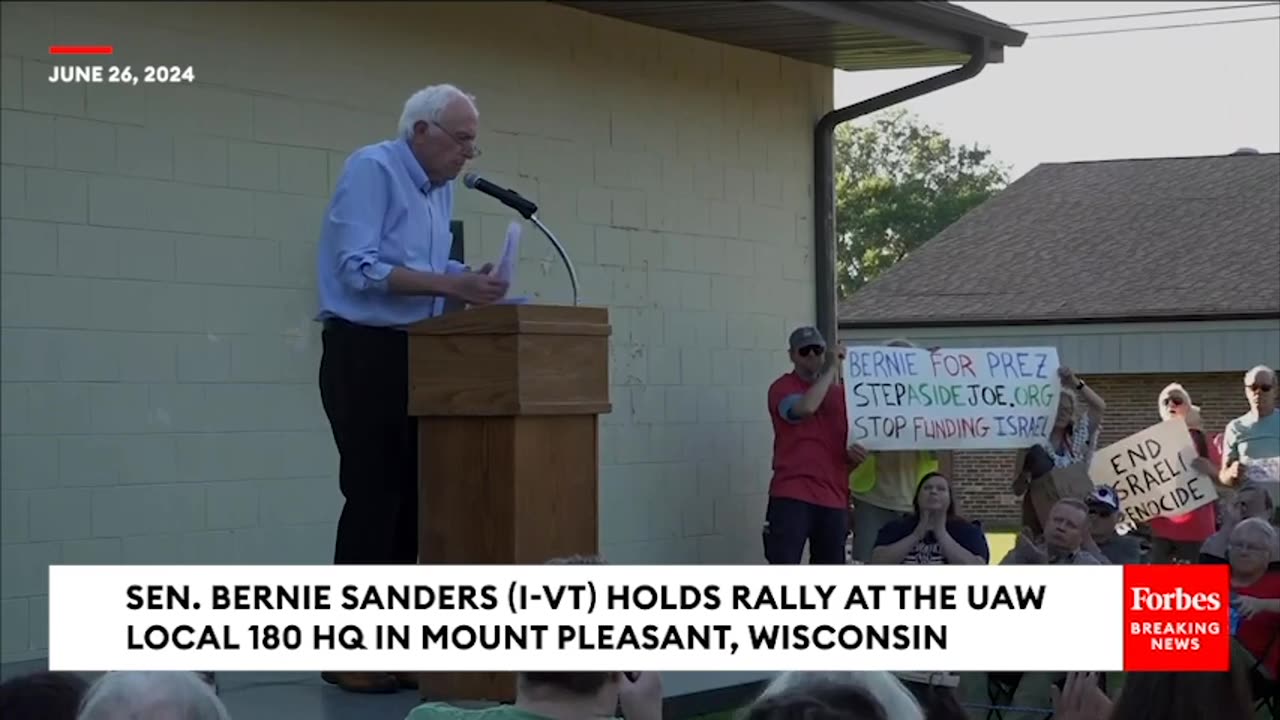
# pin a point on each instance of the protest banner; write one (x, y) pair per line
(963, 399)
(1152, 473)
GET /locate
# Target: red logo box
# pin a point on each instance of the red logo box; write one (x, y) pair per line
(1177, 618)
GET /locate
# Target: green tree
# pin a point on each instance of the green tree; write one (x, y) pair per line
(899, 182)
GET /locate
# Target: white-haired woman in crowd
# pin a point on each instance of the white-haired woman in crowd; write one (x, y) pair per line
(152, 696)
(1178, 539)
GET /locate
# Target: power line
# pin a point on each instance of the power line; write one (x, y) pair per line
(1153, 27)
(1239, 6)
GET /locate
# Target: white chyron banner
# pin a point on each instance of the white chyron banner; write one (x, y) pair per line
(569, 617)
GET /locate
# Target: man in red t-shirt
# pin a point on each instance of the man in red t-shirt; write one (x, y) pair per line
(809, 492)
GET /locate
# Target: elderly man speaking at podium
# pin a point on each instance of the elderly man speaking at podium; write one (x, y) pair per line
(384, 265)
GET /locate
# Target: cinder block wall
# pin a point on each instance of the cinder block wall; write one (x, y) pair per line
(984, 478)
(159, 359)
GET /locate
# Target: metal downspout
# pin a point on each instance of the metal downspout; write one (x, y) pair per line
(824, 178)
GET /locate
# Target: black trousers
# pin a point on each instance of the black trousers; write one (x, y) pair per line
(364, 386)
(790, 524)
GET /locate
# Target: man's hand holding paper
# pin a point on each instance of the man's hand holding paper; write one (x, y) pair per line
(505, 270)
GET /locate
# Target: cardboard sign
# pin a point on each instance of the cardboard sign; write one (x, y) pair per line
(1152, 474)
(1072, 481)
(964, 399)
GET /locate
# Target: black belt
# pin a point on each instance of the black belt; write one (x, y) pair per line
(341, 324)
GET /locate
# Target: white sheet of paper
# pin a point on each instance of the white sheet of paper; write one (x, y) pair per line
(506, 267)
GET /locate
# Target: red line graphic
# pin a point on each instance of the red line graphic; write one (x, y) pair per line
(81, 50)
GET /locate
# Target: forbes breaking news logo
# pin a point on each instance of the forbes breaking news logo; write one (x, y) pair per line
(1177, 618)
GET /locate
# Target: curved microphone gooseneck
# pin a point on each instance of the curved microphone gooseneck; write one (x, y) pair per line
(529, 211)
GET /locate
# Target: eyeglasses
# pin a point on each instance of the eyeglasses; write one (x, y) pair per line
(1248, 547)
(1102, 512)
(808, 350)
(1173, 400)
(469, 147)
(1260, 388)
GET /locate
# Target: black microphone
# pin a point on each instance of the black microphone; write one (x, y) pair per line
(506, 196)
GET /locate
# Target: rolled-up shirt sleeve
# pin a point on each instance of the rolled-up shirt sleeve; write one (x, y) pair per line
(355, 222)
(453, 267)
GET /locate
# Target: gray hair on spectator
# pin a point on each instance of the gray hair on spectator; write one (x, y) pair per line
(1259, 526)
(427, 105)
(900, 342)
(1252, 376)
(885, 687)
(577, 560)
(1076, 503)
(152, 696)
(1255, 486)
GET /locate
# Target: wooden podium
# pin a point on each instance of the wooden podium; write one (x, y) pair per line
(507, 399)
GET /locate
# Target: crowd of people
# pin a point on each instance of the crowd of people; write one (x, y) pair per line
(898, 507)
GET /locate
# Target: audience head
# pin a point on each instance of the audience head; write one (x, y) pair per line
(1104, 511)
(808, 348)
(1250, 501)
(577, 560)
(440, 124)
(45, 695)
(1260, 389)
(1184, 696)
(1065, 527)
(1251, 546)
(1174, 401)
(933, 494)
(152, 696)
(836, 695)
(598, 691)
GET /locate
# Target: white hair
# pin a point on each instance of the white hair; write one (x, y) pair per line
(1258, 526)
(900, 342)
(151, 696)
(1252, 376)
(898, 702)
(427, 105)
(1170, 390)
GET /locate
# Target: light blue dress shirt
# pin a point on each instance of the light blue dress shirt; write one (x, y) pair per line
(384, 213)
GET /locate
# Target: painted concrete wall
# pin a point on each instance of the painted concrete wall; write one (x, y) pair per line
(159, 399)
(1117, 348)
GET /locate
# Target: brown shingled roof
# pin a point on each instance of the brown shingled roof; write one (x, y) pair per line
(1103, 241)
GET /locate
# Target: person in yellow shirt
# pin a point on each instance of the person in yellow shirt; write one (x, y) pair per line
(884, 487)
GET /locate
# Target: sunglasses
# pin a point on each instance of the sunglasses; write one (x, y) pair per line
(1260, 388)
(808, 350)
(1102, 512)
(1175, 401)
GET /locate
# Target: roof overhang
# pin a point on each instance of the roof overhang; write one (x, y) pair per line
(1000, 321)
(865, 35)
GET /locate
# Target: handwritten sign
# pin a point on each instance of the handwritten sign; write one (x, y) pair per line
(1152, 474)
(964, 399)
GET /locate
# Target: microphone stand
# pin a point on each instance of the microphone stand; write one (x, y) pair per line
(564, 257)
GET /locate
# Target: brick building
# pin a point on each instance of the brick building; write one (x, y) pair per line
(1140, 272)
(160, 359)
